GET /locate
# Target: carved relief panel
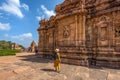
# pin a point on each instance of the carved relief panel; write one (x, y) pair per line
(103, 33)
(117, 35)
(66, 35)
(116, 21)
(117, 31)
(66, 32)
(103, 27)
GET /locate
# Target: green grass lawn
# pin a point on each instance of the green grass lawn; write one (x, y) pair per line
(8, 52)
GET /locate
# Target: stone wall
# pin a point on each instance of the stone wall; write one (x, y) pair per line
(102, 20)
(87, 32)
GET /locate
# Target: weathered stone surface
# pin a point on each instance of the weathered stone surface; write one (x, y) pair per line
(98, 75)
(88, 28)
(27, 66)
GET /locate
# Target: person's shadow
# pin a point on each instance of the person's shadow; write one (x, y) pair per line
(48, 70)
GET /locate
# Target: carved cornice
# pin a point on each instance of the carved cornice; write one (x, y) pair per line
(88, 8)
(102, 7)
(68, 6)
(91, 3)
(102, 12)
(45, 24)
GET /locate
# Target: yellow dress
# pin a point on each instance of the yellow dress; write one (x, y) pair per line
(57, 62)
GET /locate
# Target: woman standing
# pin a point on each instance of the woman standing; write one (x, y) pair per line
(57, 60)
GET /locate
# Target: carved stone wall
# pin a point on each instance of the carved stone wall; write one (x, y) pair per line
(87, 32)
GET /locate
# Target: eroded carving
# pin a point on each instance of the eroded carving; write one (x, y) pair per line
(66, 32)
(117, 31)
(103, 33)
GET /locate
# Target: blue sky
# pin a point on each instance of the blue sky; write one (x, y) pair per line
(19, 19)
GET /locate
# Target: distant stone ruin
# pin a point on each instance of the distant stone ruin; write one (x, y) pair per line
(15, 46)
(32, 47)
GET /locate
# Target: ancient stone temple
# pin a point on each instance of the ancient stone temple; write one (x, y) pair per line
(87, 32)
(32, 47)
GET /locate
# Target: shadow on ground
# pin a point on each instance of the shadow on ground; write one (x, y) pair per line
(34, 58)
(48, 70)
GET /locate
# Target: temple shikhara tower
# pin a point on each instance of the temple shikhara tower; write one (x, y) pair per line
(87, 32)
(32, 47)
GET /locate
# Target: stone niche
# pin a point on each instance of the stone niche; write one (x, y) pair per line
(117, 37)
(66, 31)
(116, 24)
(103, 31)
(87, 32)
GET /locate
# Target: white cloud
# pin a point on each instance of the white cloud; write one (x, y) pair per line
(25, 6)
(13, 7)
(5, 26)
(15, 2)
(23, 37)
(39, 11)
(47, 12)
(40, 17)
